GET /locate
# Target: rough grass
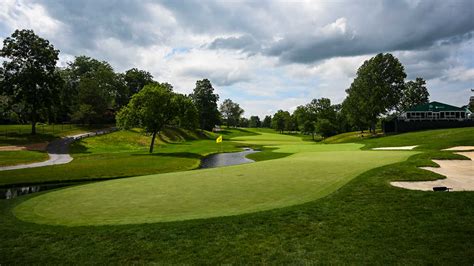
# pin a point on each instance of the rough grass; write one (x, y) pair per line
(21, 134)
(21, 157)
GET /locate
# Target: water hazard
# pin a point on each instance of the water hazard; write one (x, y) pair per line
(226, 159)
(211, 161)
(16, 191)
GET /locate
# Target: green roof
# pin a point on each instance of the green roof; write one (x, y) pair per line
(435, 107)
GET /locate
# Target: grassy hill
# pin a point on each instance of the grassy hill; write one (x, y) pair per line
(125, 153)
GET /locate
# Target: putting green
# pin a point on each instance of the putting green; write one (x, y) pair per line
(311, 173)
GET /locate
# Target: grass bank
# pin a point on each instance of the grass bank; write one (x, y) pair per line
(125, 154)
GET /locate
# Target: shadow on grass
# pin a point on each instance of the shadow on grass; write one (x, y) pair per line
(78, 148)
(14, 138)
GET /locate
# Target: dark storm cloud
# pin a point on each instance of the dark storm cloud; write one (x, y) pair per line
(372, 27)
(369, 26)
(214, 17)
(244, 43)
(390, 27)
(89, 20)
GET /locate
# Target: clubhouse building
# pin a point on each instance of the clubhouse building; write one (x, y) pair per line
(431, 115)
(435, 111)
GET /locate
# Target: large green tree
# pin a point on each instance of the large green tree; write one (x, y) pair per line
(152, 108)
(187, 113)
(254, 121)
(415, 93)
(29, 73)
(95, 89)
(137, 79)
(267, 121)
(206, 102)
(231, 112)
(378, 87)
(280, 120)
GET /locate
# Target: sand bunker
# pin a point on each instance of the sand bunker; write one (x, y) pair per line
(459, 175)
(460, 148)
(32, 147)
(396, 148)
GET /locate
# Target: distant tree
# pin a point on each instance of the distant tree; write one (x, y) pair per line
(267, 121)
(309, 127)
(341, 121)
(136, 79)
(254, 121)
(206, 103)
(29, 75)
(96, 91)
(93, 85)
(231, 112)
(187, 114)
(291, 124)
(321, 109)
(303, 115)
(415, 93)
(152, 108)
(377, 87)
(325, 127)
(355, 112)
(243, 122)
(280, 120)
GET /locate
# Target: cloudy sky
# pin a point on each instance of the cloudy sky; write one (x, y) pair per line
(265, 55)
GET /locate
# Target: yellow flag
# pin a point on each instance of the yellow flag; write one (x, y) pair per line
(219, 139)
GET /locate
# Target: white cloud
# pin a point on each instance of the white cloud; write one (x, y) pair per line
(17, 14)
(271, 55)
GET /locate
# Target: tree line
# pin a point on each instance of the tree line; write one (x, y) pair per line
(379, 91)
(34, 89)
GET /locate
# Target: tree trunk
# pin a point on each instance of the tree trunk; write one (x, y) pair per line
(33, 127)
(153, 141)
(312, 133)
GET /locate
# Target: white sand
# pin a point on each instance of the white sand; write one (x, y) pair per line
(460, 148)
(396, 148)
(459, 175)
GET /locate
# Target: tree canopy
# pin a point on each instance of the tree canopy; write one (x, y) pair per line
(29, 75)
(152, 108)
(254, 121)
(231, 112)
(414, 93)
(377, 88)
(205, 101)
(280, 120)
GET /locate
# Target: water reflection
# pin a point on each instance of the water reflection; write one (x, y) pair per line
(225, 159)
(13, 192)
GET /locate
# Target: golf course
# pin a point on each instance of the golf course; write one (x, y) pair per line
(300, 201)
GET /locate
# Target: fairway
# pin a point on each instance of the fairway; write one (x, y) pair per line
(310, 173)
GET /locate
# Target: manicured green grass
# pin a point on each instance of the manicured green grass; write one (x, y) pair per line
(428, 139)
(124, 154)
(347, 137)
(366, 221)
(205, 193)
(269, 139)
(21, 157)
